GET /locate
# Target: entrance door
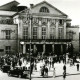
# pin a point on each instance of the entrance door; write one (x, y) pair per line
(57, 49)
(48, 49)
(27, 47)
(64, 48)
(39, 47)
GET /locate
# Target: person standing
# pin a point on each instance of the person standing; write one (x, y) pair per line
(64, 75)
(64, 68)
(54, 73)
(46, 71)
(77, 67)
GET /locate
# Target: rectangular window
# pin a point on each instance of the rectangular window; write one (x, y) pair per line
(25, 33)
(7, 49)
(60, 32)
(8, 34)
(69, 35)
(52, 33)
(43, 32)
(35, 33)
(60, 21)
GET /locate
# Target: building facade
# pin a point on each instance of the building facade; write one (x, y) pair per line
(46, 28)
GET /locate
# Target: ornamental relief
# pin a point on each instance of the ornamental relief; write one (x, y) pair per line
(53, 21)
(26, 21)
(52, 25)
(44, 24)
(60, 25)
(35, 24)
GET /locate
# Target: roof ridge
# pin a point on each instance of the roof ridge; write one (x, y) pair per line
(9, 3)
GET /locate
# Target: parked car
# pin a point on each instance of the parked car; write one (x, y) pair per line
(5, 68)
(19, 72)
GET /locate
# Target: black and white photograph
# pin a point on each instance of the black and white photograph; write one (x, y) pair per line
(40, 40)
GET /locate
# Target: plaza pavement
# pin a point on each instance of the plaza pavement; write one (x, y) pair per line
(72, 74)
(70, 70)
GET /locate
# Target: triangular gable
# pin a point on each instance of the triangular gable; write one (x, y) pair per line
(44, 2)
(9, 6)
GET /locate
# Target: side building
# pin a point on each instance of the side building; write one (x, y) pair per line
(8, 30)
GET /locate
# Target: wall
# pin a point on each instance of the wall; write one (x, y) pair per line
(12, 42)
(75, 40)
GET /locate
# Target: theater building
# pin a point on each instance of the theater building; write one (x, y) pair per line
(44, 27)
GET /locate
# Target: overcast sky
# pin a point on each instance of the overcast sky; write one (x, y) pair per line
(69, 7)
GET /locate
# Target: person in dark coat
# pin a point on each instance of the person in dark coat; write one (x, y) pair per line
(77, 67)
(64, 68)
(64, 75)
(46, 71)
(32, 65)
(42, 70)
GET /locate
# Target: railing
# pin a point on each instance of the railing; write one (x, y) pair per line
(6, 21)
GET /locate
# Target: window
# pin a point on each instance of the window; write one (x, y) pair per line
(8, 34)
(70, 35)
(25, 33)
(35, 33)
(7, 49)
(43, 32)
(52, 33)
(60, 21)
(60, 32)
(44, 9)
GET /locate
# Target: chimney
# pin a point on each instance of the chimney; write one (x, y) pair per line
(31, 5)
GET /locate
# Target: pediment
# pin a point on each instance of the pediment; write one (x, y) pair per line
(52, 10)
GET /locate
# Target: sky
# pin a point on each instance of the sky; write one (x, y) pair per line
(69, 7)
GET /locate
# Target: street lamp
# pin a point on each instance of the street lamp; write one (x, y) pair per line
(30, 17)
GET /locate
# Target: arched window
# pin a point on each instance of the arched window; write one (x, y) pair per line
(44, 9)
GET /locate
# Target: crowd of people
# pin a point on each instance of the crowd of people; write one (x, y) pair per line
(47, 62)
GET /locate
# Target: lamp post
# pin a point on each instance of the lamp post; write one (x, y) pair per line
(30, 17)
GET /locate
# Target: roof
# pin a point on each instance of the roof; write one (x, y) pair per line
(8, 6)
(50, 6)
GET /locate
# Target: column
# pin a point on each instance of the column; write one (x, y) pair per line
(61, 49)
(53, 48)
(30, 29)
(43, 48)
(34, 48)
(48, 29)
(64, 29)
(39, 29)
(57, 28)
(20, 30)
(24, 48)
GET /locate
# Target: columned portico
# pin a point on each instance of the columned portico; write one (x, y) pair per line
(58, 48)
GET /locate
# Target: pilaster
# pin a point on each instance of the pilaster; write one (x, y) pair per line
(39, 29)
(48, 29)
(64, 29)
(57, 21)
